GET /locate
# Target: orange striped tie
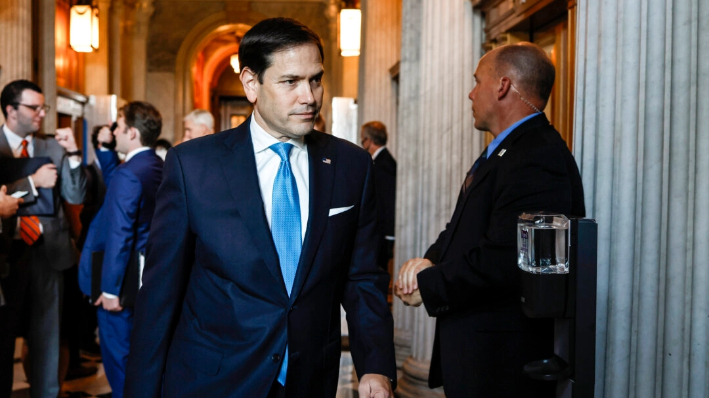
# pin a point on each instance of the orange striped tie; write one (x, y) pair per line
(29, 225)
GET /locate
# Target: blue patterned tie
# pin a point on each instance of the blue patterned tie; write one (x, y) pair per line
(285, 226)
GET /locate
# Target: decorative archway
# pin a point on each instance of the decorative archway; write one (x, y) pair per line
(195, 41)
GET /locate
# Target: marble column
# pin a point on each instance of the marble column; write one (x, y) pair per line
(441, 44)
(115, 46)
(47, 71)
(15, 41)
(381, 46)
(135, 66)
(641, 122)
(96, 63)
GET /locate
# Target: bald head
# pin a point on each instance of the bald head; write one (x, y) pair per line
(528, 66)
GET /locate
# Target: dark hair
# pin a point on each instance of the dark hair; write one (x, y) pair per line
(162, 143)
(145, 118)
(94, 134)
(271, 36)
(531, 64)
(113, 127)
(12, 93)
(375, 131)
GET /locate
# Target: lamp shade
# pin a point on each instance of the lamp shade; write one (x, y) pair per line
(234, 60)
(350, 29)
(81, 34)
(94, 28)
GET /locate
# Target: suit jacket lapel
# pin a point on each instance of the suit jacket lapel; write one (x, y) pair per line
(489, 165)
(321, 177)
(239, 167)
(5, 150)
(40, 147)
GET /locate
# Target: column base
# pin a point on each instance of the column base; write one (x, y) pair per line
(414, 382)
(402, 346)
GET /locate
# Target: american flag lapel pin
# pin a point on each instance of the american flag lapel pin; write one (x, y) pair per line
(502, 152)
(326, 160)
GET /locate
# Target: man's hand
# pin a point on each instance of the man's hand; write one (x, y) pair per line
(8, 204)
(45, 176)
(65, 138)
(407, 274)
(413, 299)
(375, 386)
(109, 304)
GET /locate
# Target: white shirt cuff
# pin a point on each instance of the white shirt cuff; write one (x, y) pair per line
(109, 295)
(34, 190)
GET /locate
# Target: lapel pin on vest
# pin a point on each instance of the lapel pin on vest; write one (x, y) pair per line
(326, 160)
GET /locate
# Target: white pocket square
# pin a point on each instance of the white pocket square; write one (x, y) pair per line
(338, 210)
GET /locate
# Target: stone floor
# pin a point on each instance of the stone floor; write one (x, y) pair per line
(97, 385)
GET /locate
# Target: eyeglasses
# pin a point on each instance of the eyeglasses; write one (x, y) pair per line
(37, 108)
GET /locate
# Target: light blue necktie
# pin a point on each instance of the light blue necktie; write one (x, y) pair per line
(285, 226)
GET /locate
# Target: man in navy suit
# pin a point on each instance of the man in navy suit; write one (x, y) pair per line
(120, 230)
(468, 279)
(260, 233)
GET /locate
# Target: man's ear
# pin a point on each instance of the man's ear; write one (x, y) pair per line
(503, 88)
(250, 81)
(133, 133)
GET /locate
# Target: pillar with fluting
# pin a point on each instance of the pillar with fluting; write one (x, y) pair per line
(115, 47)
(96, 63)
(381, 46)
(641, 122)
(47, 71)
(139, 19)
(15, 41)
(441, 44)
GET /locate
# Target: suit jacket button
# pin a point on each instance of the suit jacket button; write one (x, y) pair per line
(276, 357)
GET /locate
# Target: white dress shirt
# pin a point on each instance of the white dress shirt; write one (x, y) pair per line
(267, 163)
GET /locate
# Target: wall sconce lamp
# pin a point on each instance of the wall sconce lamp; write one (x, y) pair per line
(234, 61)
(83, 28)
(350, 30)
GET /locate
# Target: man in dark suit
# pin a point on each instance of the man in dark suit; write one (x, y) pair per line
(468, 278)
(373, 137)
(260, 233)
(120, 230)
(40, 248)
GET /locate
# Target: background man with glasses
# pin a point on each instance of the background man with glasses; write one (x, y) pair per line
(39, 247)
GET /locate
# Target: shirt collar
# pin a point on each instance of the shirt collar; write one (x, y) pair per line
(501, 137)
(14, 140)
(136, 151)
(262, 140)
(377, 152)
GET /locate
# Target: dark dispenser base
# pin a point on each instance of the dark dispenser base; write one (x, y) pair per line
(570, 299)
(544, 295)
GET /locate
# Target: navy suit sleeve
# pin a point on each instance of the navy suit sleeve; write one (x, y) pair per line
(170, 254)
(368, 317)
(534, 181)
(121, 207)
(109, 161)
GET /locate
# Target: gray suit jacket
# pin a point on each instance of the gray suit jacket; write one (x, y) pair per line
(55, 249)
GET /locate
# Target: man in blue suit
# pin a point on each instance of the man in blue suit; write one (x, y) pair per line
(260, 233)
(120, 230)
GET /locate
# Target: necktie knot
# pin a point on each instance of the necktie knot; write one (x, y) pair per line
(282, 149)
(24, 153)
